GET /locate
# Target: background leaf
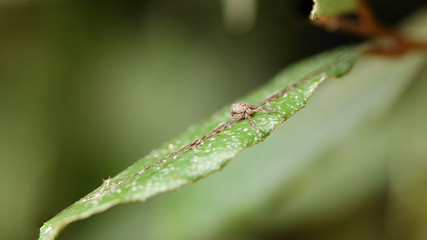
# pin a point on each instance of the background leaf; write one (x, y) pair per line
(331, 8)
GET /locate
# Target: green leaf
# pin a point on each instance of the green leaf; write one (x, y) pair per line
(331, 8)
(214, 153)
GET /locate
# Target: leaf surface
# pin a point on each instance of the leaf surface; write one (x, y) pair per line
(214, 153)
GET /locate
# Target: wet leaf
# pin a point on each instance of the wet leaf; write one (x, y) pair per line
(213, 154)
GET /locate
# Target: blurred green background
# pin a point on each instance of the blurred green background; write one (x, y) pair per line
(87, 88)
